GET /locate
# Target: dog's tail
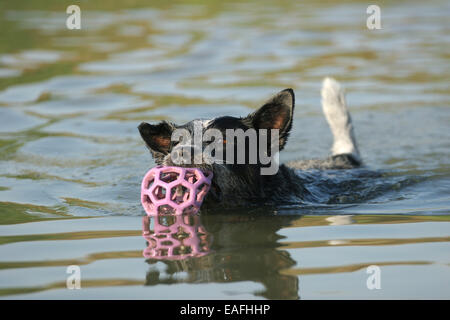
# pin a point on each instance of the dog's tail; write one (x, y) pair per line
(335, 110)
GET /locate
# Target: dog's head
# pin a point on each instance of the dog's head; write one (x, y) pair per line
(237, 175)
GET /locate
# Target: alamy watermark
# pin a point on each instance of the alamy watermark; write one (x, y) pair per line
(251, 146)
(374, 280)
(374, 19)
(74, 279)
(74, 20)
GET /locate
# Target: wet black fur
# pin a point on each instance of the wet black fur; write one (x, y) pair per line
(243, 184)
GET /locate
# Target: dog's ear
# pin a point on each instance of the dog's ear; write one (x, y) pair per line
(276, 113)
(157, 137)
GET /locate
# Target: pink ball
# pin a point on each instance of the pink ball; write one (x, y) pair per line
(174, 190)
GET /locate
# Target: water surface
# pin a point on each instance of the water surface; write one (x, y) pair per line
(71, 159)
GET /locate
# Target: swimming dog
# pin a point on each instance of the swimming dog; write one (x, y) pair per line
(242, 184)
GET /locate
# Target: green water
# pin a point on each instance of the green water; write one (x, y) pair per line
(71, 159)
